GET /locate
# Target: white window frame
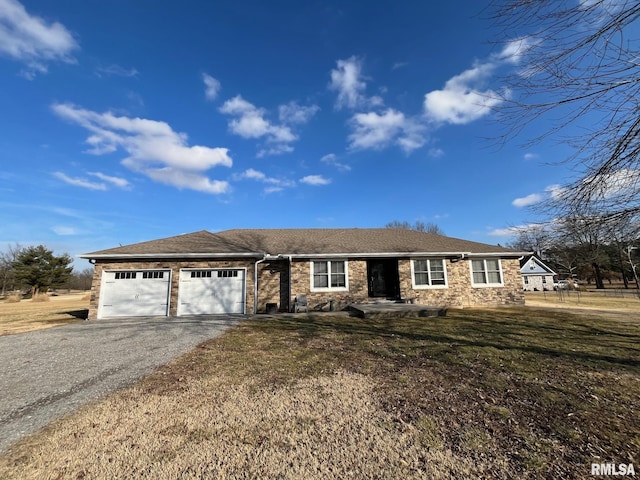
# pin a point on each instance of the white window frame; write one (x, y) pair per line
(484, 261)
(330, 288)
(416, 286)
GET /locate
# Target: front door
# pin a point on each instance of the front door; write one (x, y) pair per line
(384, 281)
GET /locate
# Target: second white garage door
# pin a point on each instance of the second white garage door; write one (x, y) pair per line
(211, 291)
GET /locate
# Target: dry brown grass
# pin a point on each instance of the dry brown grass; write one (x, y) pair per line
(41, 297)
(512, 393)
(29, 315)
(323, 427)
(607, 302)
(15, 298)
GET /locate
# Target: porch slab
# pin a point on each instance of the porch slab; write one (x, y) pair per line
(379, 310)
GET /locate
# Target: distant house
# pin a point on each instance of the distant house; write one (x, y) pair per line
(255, 270)
(536, 276)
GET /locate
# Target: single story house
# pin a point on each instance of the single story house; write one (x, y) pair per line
(536, 276)
(250, 270)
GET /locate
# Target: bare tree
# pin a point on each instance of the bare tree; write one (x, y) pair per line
(418, 226)
(537, 238)
(7, 273)
(579, 68)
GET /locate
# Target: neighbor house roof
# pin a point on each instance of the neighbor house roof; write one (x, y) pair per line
(532, 265)
(302, 242)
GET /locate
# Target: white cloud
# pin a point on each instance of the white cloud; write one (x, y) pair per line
(527, 201)
(530, 156)
(315, 180)
(516, 49)
(555, 191)
(211, 86)
(463, 99)
(332, 159)
(117, 181)
(552, 192)
(32, 40)
(436, 152)
(64, 230)
(153, 148)
(190, 180)
(347, 81)
(116, 70)
(460, 101)
(623, 182)
(250, 122)
(506, 232)
(376, 131)
(80, 182)
(274, 184)
(292, 113)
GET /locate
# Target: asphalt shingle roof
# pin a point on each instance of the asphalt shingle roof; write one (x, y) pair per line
(302, 241)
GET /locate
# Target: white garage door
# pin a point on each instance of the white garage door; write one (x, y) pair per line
(134, 293)
(211, 291)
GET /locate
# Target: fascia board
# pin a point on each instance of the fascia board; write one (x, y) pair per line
(124, 256)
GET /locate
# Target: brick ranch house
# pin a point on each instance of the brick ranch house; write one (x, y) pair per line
(213, 273)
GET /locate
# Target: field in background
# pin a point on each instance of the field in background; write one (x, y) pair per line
(506, 393)
(614, 300)
(29, 315)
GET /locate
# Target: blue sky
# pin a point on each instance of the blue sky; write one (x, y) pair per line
(129, 121)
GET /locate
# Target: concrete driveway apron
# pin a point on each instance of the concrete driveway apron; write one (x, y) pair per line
(49, 373)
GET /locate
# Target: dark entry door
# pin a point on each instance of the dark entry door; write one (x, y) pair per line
(383, 278)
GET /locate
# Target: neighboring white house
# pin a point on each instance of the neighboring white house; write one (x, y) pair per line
(536, 276)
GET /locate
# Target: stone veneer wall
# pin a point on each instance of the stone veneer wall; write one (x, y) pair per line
(358, 290)
(459, 292)
(174, 266)
(273, 283)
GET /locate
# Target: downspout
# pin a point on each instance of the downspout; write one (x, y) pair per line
(255, 284)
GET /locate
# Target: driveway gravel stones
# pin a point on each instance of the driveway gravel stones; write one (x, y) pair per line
(49, 373)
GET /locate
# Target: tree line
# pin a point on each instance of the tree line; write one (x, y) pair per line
(591, 248)
(36, 269)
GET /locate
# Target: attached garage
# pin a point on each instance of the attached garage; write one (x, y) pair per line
(211, 291)
(134, 293)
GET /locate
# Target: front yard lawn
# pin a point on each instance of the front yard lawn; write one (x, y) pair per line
(507, 393)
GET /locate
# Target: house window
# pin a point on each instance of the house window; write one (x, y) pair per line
(429, 273)
(329, 275)
(486, 272)
(526, 280)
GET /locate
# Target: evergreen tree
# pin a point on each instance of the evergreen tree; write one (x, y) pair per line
(39, 269)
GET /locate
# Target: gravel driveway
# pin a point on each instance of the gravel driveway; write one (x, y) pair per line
(49, 373)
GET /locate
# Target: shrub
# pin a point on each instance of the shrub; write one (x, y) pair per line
(15, 298)
(41, 297)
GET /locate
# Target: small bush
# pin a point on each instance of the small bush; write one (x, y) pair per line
(41, 297)
(15, 298)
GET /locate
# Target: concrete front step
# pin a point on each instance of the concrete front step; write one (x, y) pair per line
(386, 310)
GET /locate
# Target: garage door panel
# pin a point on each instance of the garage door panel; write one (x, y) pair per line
(134, 293)
(214, 291)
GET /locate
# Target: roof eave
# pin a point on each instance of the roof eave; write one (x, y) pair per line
(129, 256)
